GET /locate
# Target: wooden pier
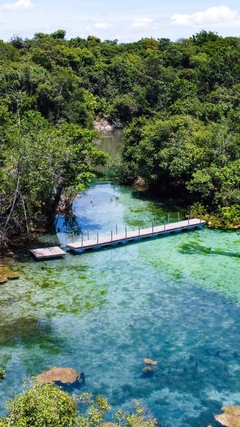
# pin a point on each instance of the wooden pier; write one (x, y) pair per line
(128, 236)
(47, 253)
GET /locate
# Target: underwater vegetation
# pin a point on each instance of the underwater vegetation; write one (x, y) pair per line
(196, 248)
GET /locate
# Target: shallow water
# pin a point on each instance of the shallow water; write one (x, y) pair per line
(173, 299)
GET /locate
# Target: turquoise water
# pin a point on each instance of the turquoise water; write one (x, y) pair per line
(173, 299)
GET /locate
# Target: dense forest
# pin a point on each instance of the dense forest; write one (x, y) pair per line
(178, 103)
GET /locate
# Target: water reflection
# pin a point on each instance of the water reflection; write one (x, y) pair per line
(110, 144)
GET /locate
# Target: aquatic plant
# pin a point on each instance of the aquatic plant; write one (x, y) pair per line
(2, 374)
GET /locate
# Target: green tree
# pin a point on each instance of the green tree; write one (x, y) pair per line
(42, 405)
(46, 405)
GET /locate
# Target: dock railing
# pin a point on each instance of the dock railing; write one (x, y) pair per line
(141, 232)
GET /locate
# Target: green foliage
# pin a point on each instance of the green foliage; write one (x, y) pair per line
(46, 405)
(2, 374)
(95, 412)
(136, 419)
(179, 100)
(42, 405)
(59, 34)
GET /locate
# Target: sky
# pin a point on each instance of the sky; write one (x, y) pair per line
(124, 20)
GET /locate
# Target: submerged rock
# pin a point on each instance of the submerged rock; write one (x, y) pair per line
(231, 416)
(150, 361)
(61, 375)
(6, 273)
(3, 279)
(147, 370)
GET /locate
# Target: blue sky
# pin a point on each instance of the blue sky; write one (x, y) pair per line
(125, 20)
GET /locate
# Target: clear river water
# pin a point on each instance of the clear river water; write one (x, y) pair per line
(173, 299)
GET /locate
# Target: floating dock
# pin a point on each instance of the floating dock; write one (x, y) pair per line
(47, 253)
(129, 236)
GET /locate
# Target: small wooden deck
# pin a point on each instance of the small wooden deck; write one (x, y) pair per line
(47, 253)
(128, 236)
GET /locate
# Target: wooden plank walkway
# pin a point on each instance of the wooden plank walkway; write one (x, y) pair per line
(128, 236)
(47, 253)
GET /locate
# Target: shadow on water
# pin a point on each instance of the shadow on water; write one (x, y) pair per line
(195, 248)
(27, 335)
(167, 203)
(29, 331)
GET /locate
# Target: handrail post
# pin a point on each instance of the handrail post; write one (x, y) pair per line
(88, 234)
(82, 240)
(116, 229)
(188, 219)
(111, 235)
(178, 216)
(97, 238)
(139, 230)
(152, 228)
(142, 224)
(164, 226)
(126, 232)
(168, 218)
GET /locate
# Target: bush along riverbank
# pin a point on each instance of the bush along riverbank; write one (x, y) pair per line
(178, 102)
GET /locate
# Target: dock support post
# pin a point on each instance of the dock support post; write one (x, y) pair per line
(126, 232)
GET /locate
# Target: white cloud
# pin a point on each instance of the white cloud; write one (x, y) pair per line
(142, 22)
(221, 15)
(103, 25)
(20, 4)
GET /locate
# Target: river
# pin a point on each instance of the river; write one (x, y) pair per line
(173, 299)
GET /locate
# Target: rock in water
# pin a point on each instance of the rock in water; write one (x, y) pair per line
(6, 273)
(231, 416)
(61, 375)
(150, 361)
